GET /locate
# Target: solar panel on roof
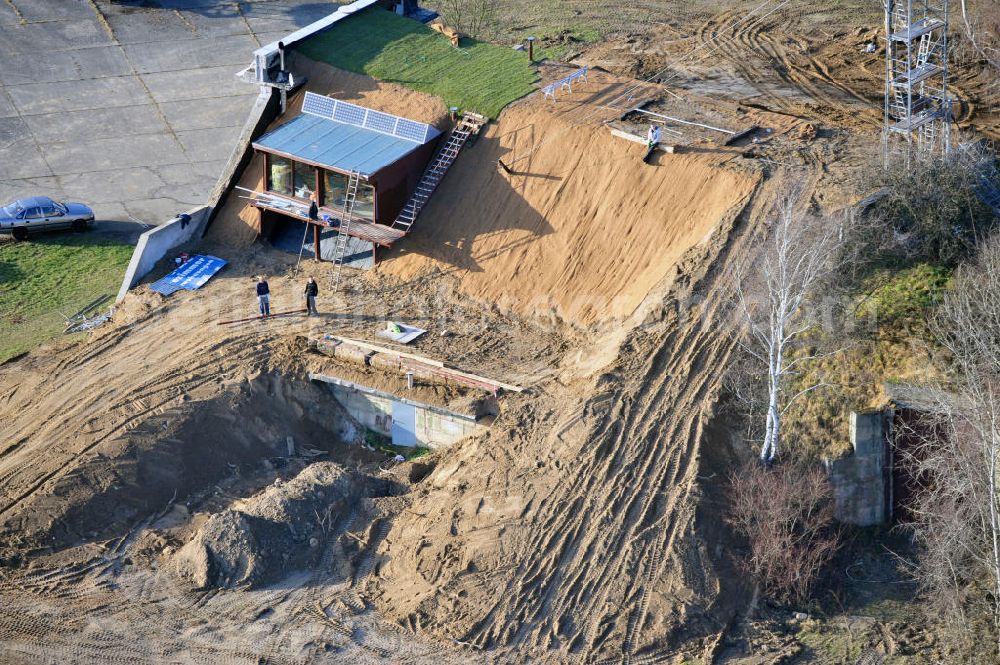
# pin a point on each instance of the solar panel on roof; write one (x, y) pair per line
(318, 105)
(349, 113)
(381, 122)
(359, 116)
(409, 129)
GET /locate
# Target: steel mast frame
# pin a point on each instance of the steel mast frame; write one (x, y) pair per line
(917, 106)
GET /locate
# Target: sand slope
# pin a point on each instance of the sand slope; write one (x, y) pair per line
(583, 227)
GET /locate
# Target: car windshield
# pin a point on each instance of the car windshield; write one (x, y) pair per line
(61, 207)
(12, 209)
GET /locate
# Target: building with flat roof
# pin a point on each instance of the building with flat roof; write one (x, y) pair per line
(328, 143)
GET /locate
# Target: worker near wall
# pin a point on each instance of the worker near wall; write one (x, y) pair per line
(312, 290)
(263, 296)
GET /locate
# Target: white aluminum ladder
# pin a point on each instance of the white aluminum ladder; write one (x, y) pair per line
(340, 248)
(470, 124)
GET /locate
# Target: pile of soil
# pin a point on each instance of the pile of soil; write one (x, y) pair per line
(258, 539)
(583, 228)
(179, 454)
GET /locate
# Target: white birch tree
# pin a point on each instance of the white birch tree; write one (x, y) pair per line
(798, 253)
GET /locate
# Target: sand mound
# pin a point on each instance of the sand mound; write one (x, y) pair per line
(178, 454)
(583, 228)
(257, 539)
(237, 223)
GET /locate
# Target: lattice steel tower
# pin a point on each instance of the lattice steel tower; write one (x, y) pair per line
(917, 106)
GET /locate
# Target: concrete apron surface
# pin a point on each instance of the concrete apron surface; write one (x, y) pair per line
(133, 110)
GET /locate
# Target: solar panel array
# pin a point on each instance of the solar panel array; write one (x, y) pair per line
(359, 116)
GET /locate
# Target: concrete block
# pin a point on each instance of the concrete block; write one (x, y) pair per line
(154, 244)
(109, 154)
(64, 10)
(80, 32)
(202, 145)
(351, 354)
(227, 50)
(859, 480)
(29, 162)
(88, 63)
(196, 84)
(867, 433)
(185, 115)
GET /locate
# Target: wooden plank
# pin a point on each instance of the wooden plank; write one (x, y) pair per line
(383, 349)
(665, 147)
(442, 367)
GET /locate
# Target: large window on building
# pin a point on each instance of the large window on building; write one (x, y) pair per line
(364, 204)
(305, 180)
(334, 189)
(279, 175)
(334, 186)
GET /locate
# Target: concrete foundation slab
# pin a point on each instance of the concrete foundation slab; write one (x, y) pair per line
(77, 95)
(197, 84)
(227, 50)
(83, 63)
(96, 123)
(115, 153)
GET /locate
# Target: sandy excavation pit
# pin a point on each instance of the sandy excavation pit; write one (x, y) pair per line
(579, 494)
(185, 455)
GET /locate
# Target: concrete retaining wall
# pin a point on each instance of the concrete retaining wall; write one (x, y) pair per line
(264, 111)
(409, 423)
(860, 487)
(154, 244)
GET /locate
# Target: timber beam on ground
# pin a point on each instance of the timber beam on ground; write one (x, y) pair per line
(420, 364)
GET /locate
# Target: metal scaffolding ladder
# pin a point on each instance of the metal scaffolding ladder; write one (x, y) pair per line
(340, 248)
(435, 172)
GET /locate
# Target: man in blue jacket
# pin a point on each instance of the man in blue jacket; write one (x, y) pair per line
(264, 296)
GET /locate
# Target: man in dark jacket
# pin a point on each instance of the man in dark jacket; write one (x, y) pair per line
(313, 207)
(264, 296)
(312, 290)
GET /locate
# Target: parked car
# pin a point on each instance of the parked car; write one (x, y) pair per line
(40, 213)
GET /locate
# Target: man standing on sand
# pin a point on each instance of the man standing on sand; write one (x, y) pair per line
(312, 290)
(263, 296)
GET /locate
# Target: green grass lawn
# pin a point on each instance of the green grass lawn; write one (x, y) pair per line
(49, 276)
(477, 76)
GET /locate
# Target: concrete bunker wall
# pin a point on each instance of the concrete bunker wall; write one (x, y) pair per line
(408, 422)
(860, 480)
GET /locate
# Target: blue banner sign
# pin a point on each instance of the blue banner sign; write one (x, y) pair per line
(191, 275)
